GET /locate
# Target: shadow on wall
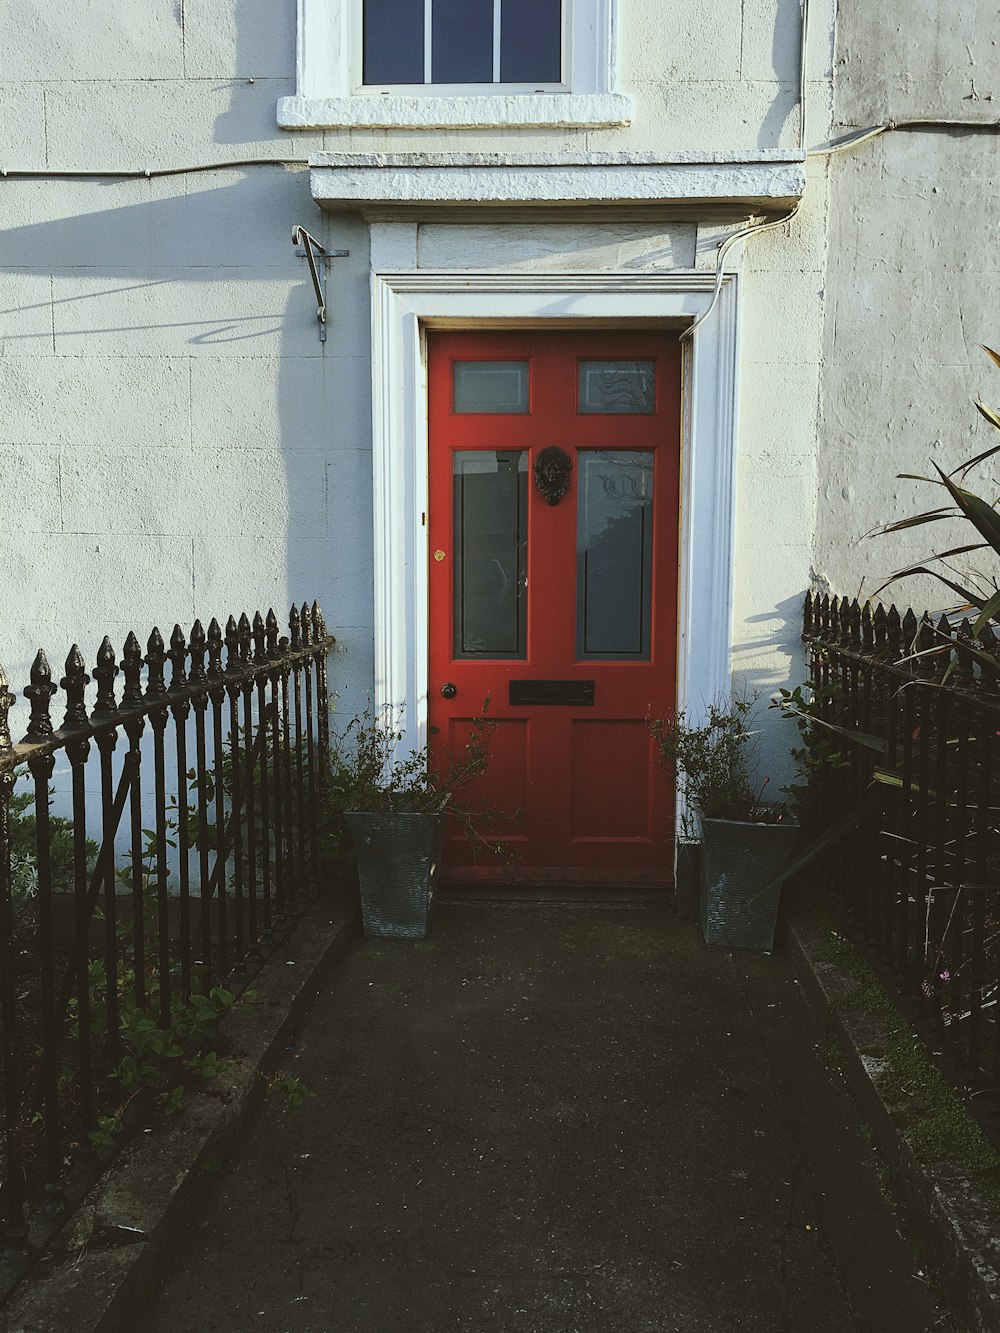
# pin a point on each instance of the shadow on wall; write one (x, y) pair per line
(782, 642)
(260, 52)
(181, 442)
(786, 57)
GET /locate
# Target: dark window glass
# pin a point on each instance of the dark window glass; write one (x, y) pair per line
(531, 41)
(491, 548)
(393, 41)
(462, 41)
(614, 546)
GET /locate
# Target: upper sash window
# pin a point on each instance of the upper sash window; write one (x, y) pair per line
(419, 42)
(424, 64)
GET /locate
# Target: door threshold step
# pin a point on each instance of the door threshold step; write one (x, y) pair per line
(525, 895)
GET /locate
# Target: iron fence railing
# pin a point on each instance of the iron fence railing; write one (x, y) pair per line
(914, 740)
(188, 831)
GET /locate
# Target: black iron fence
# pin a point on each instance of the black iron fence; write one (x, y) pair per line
(913, 740)
(182, 841)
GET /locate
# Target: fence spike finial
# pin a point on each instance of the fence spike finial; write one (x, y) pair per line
(271, 627)
(879, 628)
(926, 647)
(295, 626)
(232, 647)
(246, 638)
(854, 625)
(156, 685)
(39, 693)
(214, 649)
(196, 652)
(132, 672)
(894, 633)
(867, 628)
(75, 683)
(845, 621)
(945, 644)
(259, 641)
(909, 627)
(105, 670)
(306, 622)
(178, 660)
(964, 674)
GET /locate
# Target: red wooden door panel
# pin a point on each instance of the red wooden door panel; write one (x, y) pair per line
(563, 615)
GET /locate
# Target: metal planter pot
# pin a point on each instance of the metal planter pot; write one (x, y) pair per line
(398, 858)
(687, 879)
(737, 861)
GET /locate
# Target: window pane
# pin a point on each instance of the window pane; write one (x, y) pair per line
(618, 386)
(614, 544)
(531, 41)
(491, 546)
(462, 41)
(491, 386)
(393, 41)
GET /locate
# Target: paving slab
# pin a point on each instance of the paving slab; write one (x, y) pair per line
(551, 1121)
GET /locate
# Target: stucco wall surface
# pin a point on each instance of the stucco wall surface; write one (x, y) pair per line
(179, 442)
(913, 285)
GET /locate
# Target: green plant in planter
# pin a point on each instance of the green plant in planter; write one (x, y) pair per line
(394, 806)
(745, 840)
(713, 762)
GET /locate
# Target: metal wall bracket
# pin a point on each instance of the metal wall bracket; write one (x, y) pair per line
(312, 249)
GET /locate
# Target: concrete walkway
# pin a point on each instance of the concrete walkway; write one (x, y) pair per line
(552, 1121)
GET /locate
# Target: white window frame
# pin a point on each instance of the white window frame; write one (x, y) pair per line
(407, 301)
(330, 94)
(467, 89)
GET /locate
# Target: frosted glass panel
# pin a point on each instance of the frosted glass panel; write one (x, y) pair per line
(618, 386)
(491, 386)
(614, 545)
(491, 548)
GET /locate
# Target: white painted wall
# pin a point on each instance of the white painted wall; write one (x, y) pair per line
(177, 440)
(914, 285)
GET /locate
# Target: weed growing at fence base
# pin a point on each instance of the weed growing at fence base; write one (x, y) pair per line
(939, 1127)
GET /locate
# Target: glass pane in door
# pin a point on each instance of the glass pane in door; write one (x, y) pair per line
(490, 386)
(619, 387)
(491, 546)
(614, 549)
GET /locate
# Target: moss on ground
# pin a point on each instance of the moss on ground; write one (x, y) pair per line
(940, 1128)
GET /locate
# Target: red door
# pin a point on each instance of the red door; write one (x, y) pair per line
(555, 595)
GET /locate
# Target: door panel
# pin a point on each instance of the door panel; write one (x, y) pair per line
(563, 615)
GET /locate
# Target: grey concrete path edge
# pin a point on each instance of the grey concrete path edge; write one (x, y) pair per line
(116, 1243)
(959, 1225)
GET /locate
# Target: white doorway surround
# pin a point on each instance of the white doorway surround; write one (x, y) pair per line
(405, 303)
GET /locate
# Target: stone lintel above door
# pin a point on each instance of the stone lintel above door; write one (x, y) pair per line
(394, 184)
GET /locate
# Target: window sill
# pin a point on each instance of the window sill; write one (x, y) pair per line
(512, 111)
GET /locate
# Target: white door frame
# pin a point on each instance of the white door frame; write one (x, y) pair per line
(404, 305)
